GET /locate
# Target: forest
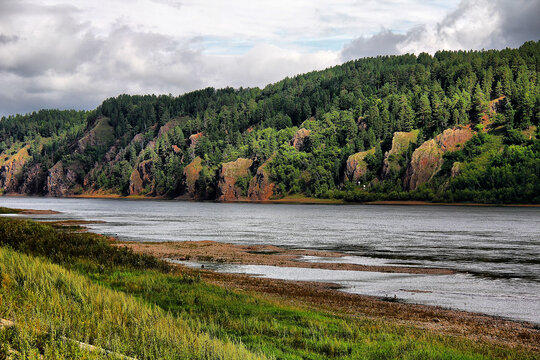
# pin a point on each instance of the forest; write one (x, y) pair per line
(455, 126)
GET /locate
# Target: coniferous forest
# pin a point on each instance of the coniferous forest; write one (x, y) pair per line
(456, 126)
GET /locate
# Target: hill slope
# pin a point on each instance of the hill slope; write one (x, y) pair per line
(456, 126)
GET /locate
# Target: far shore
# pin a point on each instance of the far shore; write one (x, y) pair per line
(286, 200)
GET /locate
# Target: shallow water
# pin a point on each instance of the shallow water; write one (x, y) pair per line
(496, 250)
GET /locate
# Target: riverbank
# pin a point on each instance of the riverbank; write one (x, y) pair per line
(325, 296)
(294, 199)
(267, 317)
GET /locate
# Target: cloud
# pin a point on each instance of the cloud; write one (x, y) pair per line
(383, 43)
(474, 24)
(74, 54)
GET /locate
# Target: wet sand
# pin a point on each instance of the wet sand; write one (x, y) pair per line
(213, 251)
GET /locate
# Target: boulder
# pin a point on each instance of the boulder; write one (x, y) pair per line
(299, 139)
(229, 174)
(356, 166)
(261, 188)
(400, 145)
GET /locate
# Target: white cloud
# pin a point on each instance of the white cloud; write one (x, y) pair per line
(474, 24)
(74, 54)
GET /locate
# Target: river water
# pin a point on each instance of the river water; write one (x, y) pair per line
(495, 250)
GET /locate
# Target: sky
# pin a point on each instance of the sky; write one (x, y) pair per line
(74, 54)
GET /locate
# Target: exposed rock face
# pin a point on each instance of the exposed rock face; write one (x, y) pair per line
(425, 162)
(135, 183)
(167, 127)
(60, 180)
(33, 182)
(191, 175)
(141, 178)
(428, 158)
(356, 166)
(229, 174)
(456, 169)
(194, 139)
(453, 139)
(299, 139)
(10, 168)
(101, 134)
(260, 186)
(400, 144)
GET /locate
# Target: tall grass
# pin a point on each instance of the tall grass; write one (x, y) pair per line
(49, 303)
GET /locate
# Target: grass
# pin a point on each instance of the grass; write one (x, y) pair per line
(5, 210)
(137, 306)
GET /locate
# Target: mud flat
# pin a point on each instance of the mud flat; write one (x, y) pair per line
(213, 251)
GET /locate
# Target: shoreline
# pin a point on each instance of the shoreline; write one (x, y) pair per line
(490, 329)
(270, 255)
(329, 297)
(291, 200)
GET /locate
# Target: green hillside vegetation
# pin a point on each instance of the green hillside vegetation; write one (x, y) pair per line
(60, 288)
(304, 129)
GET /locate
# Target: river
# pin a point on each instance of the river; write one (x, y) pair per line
(496, 250)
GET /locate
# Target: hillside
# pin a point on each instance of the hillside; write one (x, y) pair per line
(453, 127)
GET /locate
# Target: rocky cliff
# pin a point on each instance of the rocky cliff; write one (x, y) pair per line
(141, 178)
(428, 158)
(60, 180)
(394, 157)
(229, 175)
(299, 139)
(356, 166)
(261, 188)
(10, 167)
(191, 175)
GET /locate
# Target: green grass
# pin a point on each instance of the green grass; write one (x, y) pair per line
(5, 210)
(137, 306)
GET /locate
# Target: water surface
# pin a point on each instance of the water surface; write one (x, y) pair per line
(495, 249)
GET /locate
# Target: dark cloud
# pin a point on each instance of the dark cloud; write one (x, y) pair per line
(474, 24)
(520, 23)
(383, 43)
(4, 39)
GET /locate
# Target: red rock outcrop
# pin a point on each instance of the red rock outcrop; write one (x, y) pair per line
(261, 188)
(299, 139)
(229, 174)
(428, 158)
(400, 144)
(10, 168)
(141, 178)
(194, 139)
(191, 175)
(356, 166)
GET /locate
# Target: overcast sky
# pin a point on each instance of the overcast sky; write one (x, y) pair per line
(74, 54)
